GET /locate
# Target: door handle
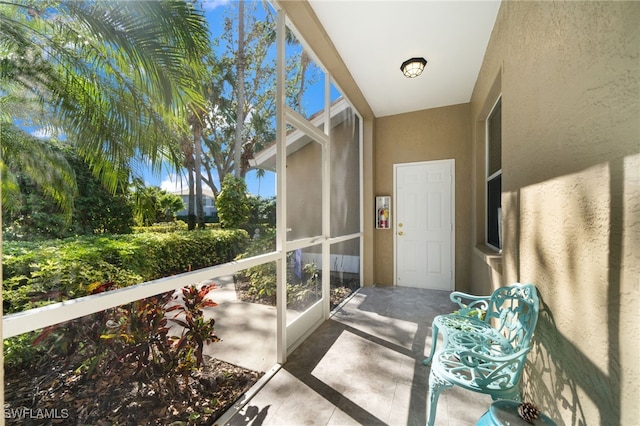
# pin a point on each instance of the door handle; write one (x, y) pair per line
(400, 233)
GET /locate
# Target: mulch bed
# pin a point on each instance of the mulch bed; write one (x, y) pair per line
(58, 395)
(338, 294)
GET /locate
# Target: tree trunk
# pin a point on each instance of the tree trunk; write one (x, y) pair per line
(187, 149)
(197, 132)
(240, 65)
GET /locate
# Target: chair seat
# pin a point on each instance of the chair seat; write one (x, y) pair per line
(467, 361)
(484, 343)
(452, 323)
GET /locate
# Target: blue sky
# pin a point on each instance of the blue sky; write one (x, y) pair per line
(313, 99)
(265, 187)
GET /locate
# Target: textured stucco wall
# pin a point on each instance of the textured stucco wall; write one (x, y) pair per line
(304, 192)
(569, 76)
(301, 13)
(434, 134)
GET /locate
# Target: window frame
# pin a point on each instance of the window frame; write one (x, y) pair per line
(489, 178)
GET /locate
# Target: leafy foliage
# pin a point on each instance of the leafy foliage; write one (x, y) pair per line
(115, 77)
(155, 205)
(196, 330)
(40, 163)
(304, 290)
(131, 342)
(262, 211)
(262, 278)
(90, 208)
(40, 273)
(232, 202)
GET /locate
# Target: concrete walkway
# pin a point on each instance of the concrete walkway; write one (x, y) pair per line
(364, 367)
(247, 330)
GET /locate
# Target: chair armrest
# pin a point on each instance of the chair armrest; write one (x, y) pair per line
(473, 359)
(501, 372)
(470, 301)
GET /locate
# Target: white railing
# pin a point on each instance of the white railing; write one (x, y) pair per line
(45, 316)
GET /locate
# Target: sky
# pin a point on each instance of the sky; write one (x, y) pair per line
(265, 186)
(313, 101)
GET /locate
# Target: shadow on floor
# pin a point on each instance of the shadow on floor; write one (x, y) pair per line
(364, 366)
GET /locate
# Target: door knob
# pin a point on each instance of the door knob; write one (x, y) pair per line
(400, 233)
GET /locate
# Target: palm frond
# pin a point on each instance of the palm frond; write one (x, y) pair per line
(42, 162)
(119, 76)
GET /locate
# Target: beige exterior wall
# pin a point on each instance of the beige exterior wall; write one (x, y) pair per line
(569, 77)
(304, 187)
(435, 134)
(304, 192)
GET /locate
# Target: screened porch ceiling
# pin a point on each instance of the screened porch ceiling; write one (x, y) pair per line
(373, 37)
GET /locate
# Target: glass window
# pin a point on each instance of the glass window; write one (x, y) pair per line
(345, 171)
(494, 177)
(304, 186)
(304, 280)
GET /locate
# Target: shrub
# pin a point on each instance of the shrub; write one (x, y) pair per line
(133, 342)
(261, 277)
(262, 212)
(232, 202)
(37, 274)
(163, 227)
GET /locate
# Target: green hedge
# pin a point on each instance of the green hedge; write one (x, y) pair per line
(177, 225)
(39, 273)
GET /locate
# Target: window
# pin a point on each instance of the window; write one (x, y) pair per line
(494, 176)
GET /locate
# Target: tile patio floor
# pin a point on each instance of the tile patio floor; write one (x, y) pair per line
(364, 367)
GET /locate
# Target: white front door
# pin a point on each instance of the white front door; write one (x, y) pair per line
(424, 225)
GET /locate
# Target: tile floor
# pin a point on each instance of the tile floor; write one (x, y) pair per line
(364, 367)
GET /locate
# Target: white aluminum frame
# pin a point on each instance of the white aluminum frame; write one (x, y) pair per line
(489, 177)
(35, 319)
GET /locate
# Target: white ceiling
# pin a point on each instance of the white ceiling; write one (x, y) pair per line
(374, 37)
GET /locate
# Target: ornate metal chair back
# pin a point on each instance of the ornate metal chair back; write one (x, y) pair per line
(513, 311)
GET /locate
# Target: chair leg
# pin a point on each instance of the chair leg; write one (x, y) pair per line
(514, 395)
(436, 385)
(434, 341)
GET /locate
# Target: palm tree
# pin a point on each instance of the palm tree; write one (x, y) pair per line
(115, 77)
(43, 162)
(240, 68)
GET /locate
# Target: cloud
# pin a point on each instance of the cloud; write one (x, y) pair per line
(173, 183)
(42, 133)
(45, 133)
(214, 4)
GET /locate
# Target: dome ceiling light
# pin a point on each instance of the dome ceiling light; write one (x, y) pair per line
(413, 67)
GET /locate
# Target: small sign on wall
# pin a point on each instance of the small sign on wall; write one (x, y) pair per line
(383, 212)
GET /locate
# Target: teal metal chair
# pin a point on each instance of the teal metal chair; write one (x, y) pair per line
(485, 344)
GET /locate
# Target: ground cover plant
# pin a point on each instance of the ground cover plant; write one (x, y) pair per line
(140, 363)
(37, 273)
(258, 283)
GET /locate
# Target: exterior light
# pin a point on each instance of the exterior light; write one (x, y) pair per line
(413, 67)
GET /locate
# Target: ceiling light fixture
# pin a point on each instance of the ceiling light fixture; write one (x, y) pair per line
(413, 67)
